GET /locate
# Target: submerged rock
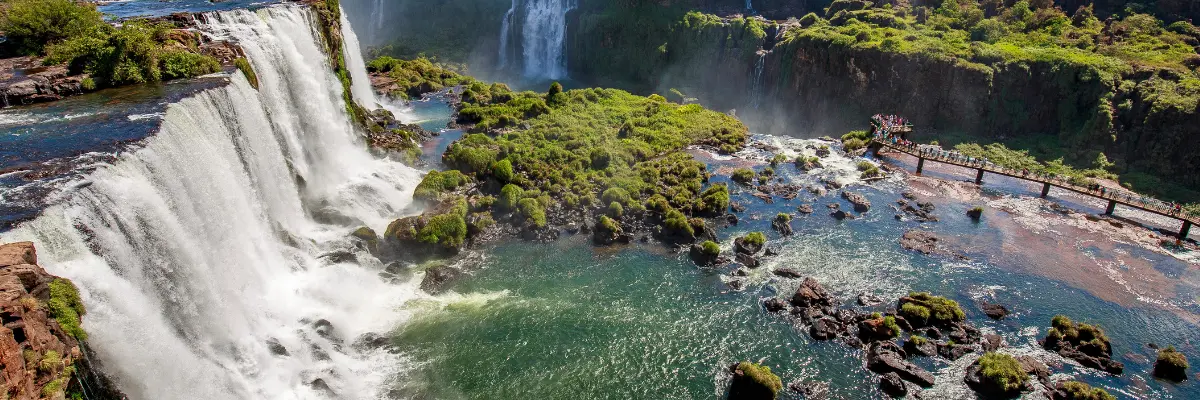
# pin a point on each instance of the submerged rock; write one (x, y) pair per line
(995, 311)
(885, 357)
(891, 385)
(438, 278)
(861, 204)
(277, 348)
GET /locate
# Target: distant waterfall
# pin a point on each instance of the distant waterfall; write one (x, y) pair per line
(505, 29)
(750, 6)
(199, 255)
(544, 38)
(756, 81)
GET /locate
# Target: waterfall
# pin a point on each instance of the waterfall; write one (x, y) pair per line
(505, 28)
(756, 81)
(200, 254)
(360, 82)
(377, 27)
(749, 6)
(543, 38)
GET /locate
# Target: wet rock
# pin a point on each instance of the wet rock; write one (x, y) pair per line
(992, 342)
(975, 213)
(339, 257)
(1034, 367)
(841, 215)
(920, 347)
(927, 243)
(987, 388)
(700, 257)
(823, 151)
(811, 390)
(736, 284)
(867, 299)
(811, 293)
(318, 353)
(747, 260)
(891, 385)
(1171, 365)
(818, 191)
(782, 224)
(740, 272)
(747, 386)
(737, 207)
(370, 341)
(995, 311)
(885, 357)
(787, 273)
(731, 219)
(324, 329)
(861, 204)
(742, 246)
(277, 348)
(769, 252)
(933, 333)
(824, 329)
(954, 351)
(320, 386)
(775, 304)
(438, 278)
(875, 329)
(805, 209)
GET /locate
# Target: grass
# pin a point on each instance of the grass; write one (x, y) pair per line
(67, 308)
(940, 309)
(1081, 391)
(1003, 371)
(243, 65)
(710, 248)
(1077, 332)
(435, 183)
(914, 312)
(743, 176)
(761, 375)
(755, 239)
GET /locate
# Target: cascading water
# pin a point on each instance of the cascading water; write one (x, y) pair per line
(200, 255)
(505, 28)
(543, 38)
(749, 7)
(756, 81)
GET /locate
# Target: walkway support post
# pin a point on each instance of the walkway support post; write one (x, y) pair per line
(920, 164)
(1112, 205)
(979, 177)
(1183, 232)
(1045, 189)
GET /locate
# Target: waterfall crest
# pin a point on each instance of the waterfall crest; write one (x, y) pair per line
(203, 255)
(505, 29)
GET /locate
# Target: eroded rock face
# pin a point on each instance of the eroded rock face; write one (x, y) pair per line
(885, 357)
(437, 279)
(35, 349)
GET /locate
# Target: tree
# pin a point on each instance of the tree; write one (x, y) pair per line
(31, 25)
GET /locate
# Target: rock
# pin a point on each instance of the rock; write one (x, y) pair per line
(875, 329)
(885, 357)
(1171, 365)
(811, 390)
(320, 386)
(920, 347)
(782, 225)
(1034, 367)
(995, 311)
(339, 257)
(753, 382)
(737, 207)
(891, 385)
(867, 299)
(861, 204)
(731, 219)
(324, 329)
(770, 252)
(975, 213)
(775, 304)
(995, 387)
(700, 257)
(824, 329)
(736, 284)
(748, 260)
(787, 273)
(841, 215)
(992, 342)
(927, 243)
(742, 246)
(739, 272)
(811, 293)
(933, 333)
(954, 351)
(18, 254)
(370, 341)
(805, 209)
(438, 278)
(823, 151)
(277, 348)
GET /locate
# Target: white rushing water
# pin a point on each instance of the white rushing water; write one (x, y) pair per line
(505, 28)
(200, 248)
(756, 82)
(544, 38)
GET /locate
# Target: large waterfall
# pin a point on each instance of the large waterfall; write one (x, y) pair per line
(203, 255)
(543, 37)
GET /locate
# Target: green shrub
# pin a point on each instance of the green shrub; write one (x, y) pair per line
(676, 223)
(30, 25)
(743, 176)
(1081, 391)
(1173, 357)
(1077, 332)
(66, 307)
(176, 64)
(853, 144)
(783, 217)
(243, 65)
(532, 211)
(1003, 371)
(87, 84)
(555, 96)
(941, 309)
(778, 159)
(714, 200)
(893, 327)
(510, 194)
(710, 248)
(615, 194)
(762, 375)
(503, 170)
(914, 312)
(755, 238)
(436, 183)
(606, 224)
(448, 229)
(865, 165)
(51, 360)
(918, 340)
(615, 210)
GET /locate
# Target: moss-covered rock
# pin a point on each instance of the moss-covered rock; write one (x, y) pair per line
(754, 382)
(997, 375)
(1084, 343)
(1171, 364)
(1075, 390)
(922, 308)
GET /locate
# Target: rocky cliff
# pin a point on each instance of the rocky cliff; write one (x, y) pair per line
(42, 350)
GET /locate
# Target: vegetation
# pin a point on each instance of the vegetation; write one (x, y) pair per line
(533, 211)
(418, 76)
(710, 248)
(30, 25)
(1003, 372)
(1173, 357)
(754, 239)
(918, 340)
(436, 183)
(447, 229)
(714, 200)
(935, 310)
(243, 65)
(761, 375)
(136, 52)
(1076, 390)
(893, 327)
(66, 307)
(743, 176)
(1171, 364)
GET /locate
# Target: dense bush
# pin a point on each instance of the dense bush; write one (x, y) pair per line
(743, 176)
(416, 77)
(710, 248)
(1003, 371)
(178, 64)
(761, 375)
(134, 53)
(1063, 328)
(714, 200)
(755, 239)
(532, 211)
(67, 308)
(1076, 390)
(510, 194)
(503, 170)
(31, 25)
(937, 309)
(435, 183)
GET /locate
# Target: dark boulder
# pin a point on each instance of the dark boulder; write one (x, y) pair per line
(811, 390)
(748, 260)
(787, 273)
(810, 294)
(861, 204)
(885, 357)
(867, 299)
(824, 329)
(324, 329)
(992, 342)
(370, 341)
(891, 385)
(995, 311)
(277, 348)
(841, 215)
(954, 351)
(775, 304)
(805, 209)
(438, 278)
(1171, 365)
(919, 346)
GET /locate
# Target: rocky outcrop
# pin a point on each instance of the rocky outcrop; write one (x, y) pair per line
(41, 340)
(927, 243)
(861, 204)
(1084, 343)
(884, 357)
(27, 82)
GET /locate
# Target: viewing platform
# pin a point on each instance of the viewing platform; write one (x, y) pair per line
(894, 137)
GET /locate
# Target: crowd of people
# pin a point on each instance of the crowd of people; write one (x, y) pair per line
(886, 129)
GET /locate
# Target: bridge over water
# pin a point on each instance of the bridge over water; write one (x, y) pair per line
(885, 138)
